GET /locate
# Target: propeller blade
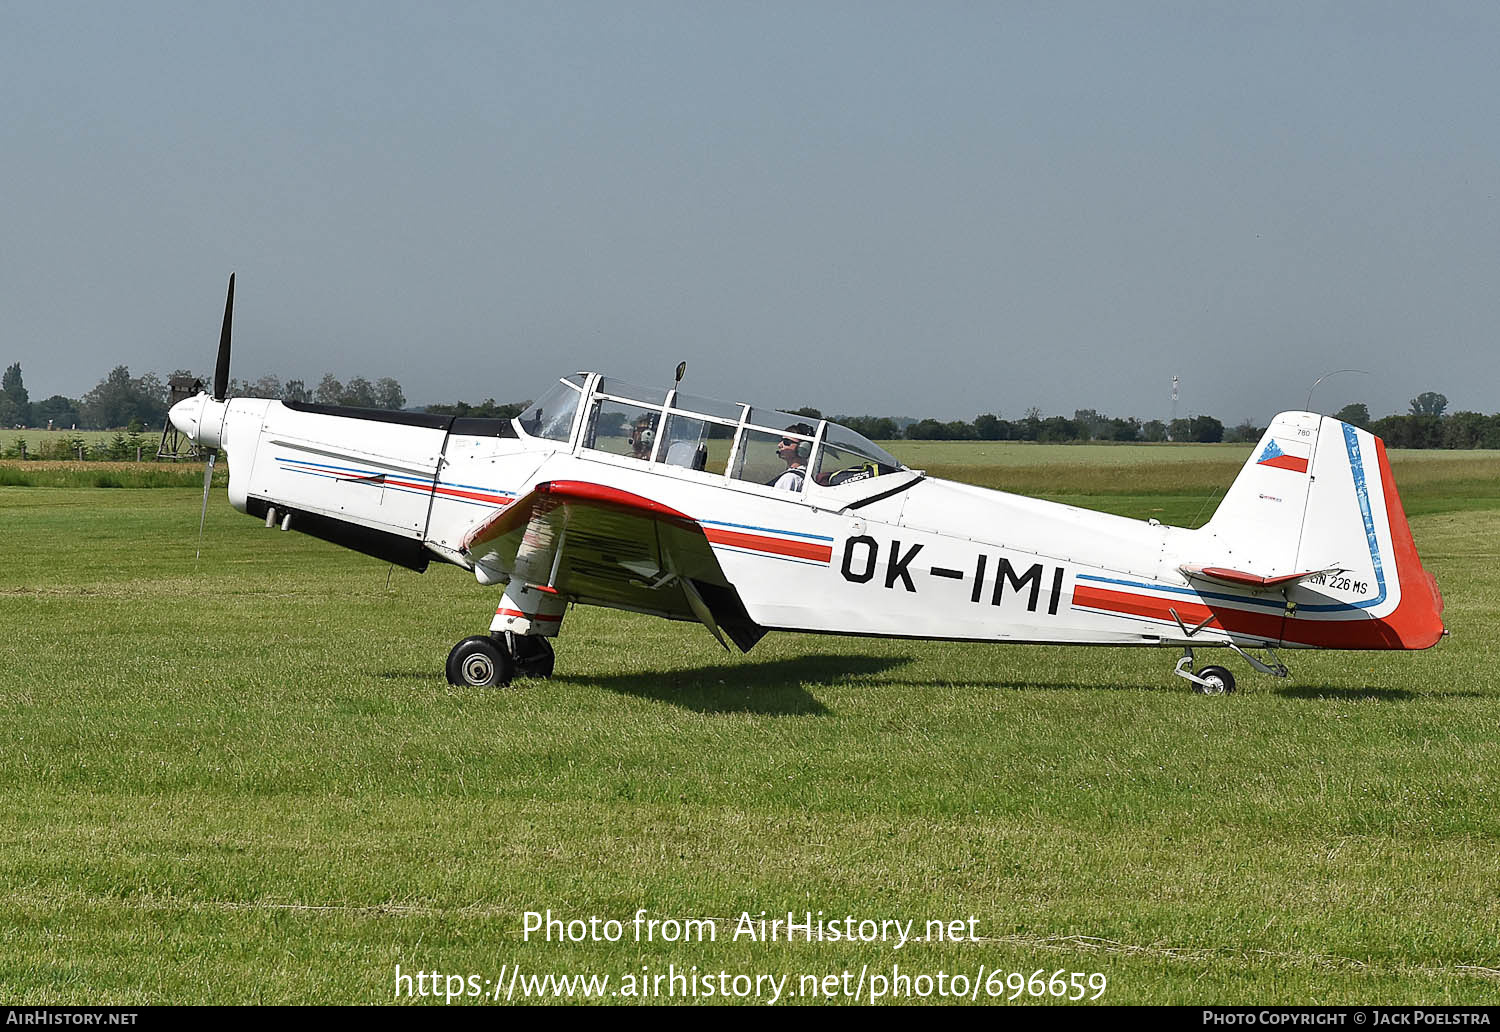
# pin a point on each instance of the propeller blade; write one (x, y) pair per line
(221, 367)
(208, 475)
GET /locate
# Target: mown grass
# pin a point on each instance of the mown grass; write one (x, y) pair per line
(244, 779)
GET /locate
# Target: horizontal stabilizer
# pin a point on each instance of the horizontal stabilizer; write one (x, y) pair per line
(1245, 579)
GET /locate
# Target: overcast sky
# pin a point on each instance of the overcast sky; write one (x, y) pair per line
(903, 209)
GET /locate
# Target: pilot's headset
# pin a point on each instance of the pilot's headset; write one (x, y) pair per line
(646, 434)
(804, 448)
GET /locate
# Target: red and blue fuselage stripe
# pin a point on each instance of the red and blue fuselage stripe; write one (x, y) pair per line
(791, 545)
(468, 494)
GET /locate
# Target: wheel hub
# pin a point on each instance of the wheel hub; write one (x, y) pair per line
(479, 670)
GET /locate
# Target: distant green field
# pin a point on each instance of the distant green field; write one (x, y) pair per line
(244, 779)
(35, 438)
(921, 454)
(1196, 475)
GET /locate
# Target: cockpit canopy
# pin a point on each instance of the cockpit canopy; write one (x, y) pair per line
(739, 442)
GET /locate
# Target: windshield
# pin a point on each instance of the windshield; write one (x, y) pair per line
(551, 415)
(846, 457)
(758, 446)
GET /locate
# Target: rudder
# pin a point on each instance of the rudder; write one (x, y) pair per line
(1316, 498)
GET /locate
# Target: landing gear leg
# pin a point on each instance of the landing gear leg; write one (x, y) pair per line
(517, 644)
(531, 654)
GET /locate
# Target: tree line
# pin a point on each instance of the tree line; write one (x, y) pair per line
(1425, 424)
(121, 400)
(1429, 424)
(1086, 425)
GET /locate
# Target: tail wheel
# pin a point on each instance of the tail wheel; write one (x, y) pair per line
(1217, 681)
(479, 663)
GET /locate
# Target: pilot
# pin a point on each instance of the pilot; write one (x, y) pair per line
(642, 437)
(794, 453)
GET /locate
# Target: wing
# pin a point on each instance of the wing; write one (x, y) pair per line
(602, 546)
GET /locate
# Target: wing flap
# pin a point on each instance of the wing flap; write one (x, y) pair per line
(603, 546)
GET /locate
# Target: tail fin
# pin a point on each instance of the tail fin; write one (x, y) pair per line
(1315, 509)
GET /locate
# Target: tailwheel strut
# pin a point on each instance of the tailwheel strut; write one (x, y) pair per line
(1273, 666)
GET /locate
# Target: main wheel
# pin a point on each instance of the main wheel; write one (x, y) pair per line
(1220, 681)
(533, 656)
(479, 663)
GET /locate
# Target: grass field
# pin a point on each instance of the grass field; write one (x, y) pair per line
(244, 779)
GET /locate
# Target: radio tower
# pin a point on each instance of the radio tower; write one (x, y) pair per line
(1174, 407)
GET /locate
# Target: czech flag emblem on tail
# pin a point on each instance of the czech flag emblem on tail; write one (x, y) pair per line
(1275, 455)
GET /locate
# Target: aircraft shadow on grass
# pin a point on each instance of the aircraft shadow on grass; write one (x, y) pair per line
(1346, 694)
(782, 687)
(779, 688)
(1067, 686)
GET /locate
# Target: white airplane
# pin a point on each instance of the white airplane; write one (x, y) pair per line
(750, 520)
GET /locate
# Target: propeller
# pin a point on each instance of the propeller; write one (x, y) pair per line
(221, 388)
(208, 475)
(221, 365)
